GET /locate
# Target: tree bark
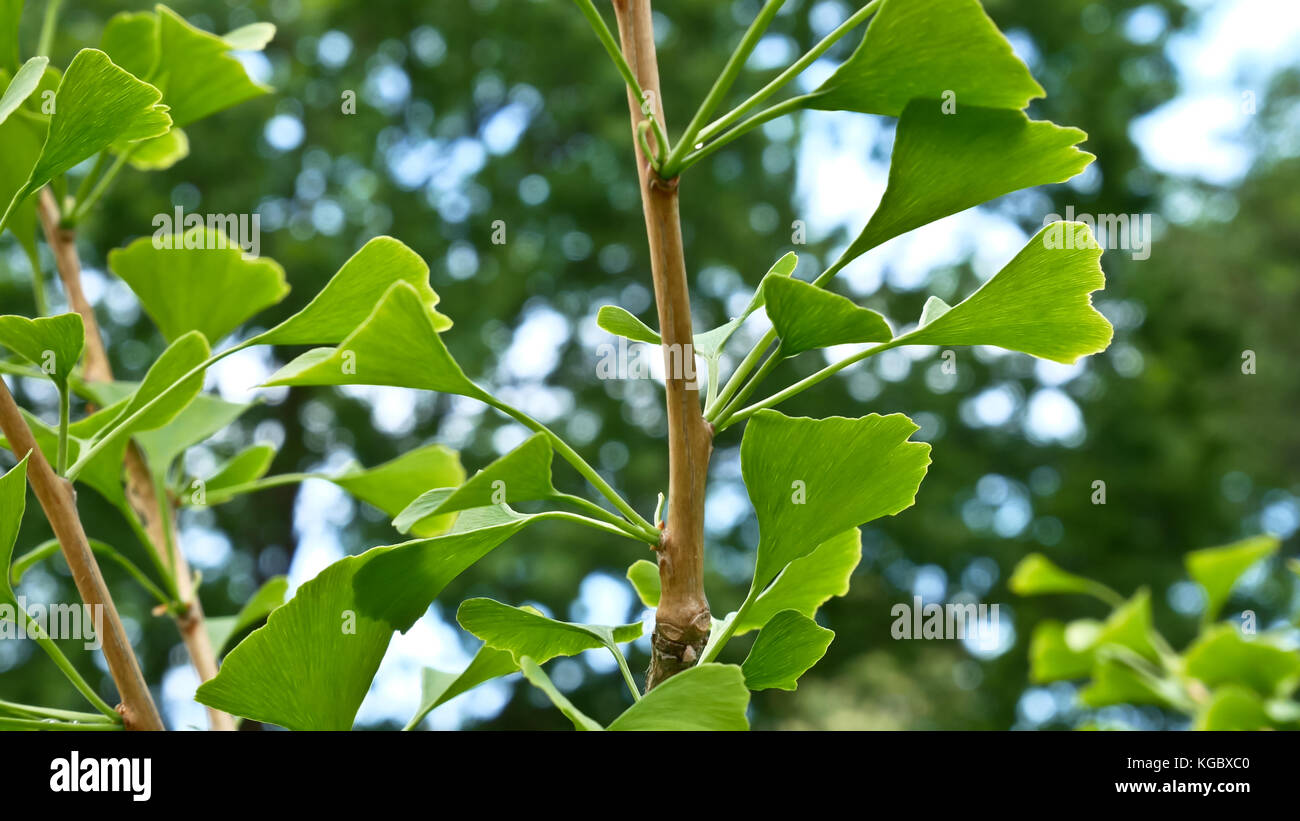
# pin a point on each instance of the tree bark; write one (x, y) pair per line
(682, 621)
(140, 488)
(58, 500)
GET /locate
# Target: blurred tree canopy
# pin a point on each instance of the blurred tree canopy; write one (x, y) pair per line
(475, 112)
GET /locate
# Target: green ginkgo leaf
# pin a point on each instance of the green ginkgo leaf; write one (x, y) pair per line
(807, 317)
(946, 163)
(249, 465)
(159, 153)
(786, 648)
(166, 381)
(196, 72)
(807, 582)
(13, 501)
(20, 144)
(310, 666)
(644, 577)
(1233, 707)
(392, 486)
(202, 284)
(103, 473)
(1217, 569)
(1038, 304)
(352, 294)
(22, 85)
(523, 631)
(705, 697)
(398, 344)
(620, 322)
(539, 679)
(11, 14)
(1037, 575)
(1223, 655)
(53, 344)
(252, 37)
(522, 475)
(709, 344)
(438, 687)
(222, 629)
(97, 104)
(1131, 626)
(928, 50)
(131, 39)
(1052, 658)
(1114, 682)
(811, 479)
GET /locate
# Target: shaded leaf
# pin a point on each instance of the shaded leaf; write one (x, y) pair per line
(526, 632)
(392, 486)
(1036, 575)
(923, 50)
(249, 465)
(1038, 304)
(13, 502)
(541, 681)
(1233, 708)
(181, 357)
(786, 648)
(1051, 658)
(620, 322)
(438, 687)
(268, 597)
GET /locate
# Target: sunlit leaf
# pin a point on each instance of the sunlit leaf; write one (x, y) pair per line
(252, 37)
(811, 479)
(923, 50)
(807, 582)
(159, 153)
(620, 322)
(1233, 708)
(1217, 569)
(1114, 682)
(181, 357)
(786, 648)
(1038, 304)
(644, 577)
(705, 697)
(22, 85)
(946, 163)
(353, 293)
(807, 317)
(249, 465)
(398, 345)
(1224, 656)
(97, 104)
(1051, 658)
(1038, 575)
(210, 288)
(1131, 626)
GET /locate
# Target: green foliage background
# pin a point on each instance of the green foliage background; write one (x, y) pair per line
(1191, 450)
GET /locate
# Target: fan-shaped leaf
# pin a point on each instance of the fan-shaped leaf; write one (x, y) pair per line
(807, 317)
(786, 648)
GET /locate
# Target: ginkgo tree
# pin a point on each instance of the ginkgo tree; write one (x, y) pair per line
(940, 67)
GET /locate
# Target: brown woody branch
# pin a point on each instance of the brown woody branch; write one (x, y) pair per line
(683, 620)
(140, 488)
(58, 500)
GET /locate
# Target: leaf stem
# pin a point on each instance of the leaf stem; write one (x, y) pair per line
(716, 127)
(607, 40)
(48, 24)
(623, 668)
(778, 110)
(64, 413)
(83, 207)
(673, 164)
